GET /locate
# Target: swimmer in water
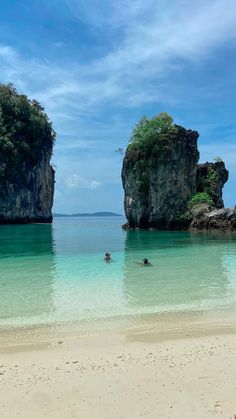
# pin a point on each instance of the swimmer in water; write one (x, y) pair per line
(146, 262)
(107, 256)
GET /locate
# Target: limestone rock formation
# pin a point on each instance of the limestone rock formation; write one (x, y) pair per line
(223, 219)
(211, 178)
(158, 185)
(26, 143)
(161, 175)
(28, 198)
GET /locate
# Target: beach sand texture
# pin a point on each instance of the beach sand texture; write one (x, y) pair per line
(121, 376)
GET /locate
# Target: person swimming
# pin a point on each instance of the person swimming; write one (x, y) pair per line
(146, 261)
(107, 256)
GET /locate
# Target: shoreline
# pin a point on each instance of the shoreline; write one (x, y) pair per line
(143, 337)
(161, 327)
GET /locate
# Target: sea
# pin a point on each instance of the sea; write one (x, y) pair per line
(56, 274)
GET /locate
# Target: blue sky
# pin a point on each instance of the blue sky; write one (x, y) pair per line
(97, 67)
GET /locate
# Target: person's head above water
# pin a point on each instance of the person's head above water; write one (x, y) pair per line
(145, 261)
(107, 256)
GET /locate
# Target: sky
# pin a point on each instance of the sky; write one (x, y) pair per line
(98, 66)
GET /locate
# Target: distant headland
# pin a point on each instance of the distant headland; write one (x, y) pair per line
(88, 214)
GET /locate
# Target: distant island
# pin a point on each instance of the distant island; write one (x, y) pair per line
(93, 214)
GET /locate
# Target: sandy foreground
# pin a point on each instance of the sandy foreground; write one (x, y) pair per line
(121, 376)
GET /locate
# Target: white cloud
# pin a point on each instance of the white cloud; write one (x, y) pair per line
(94, 184)
(153, 35)
(112, 13)
(78, 182)
(72, 182)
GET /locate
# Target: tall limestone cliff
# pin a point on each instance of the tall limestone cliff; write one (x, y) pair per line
(161, 175)
(26, 143)
(160, 181)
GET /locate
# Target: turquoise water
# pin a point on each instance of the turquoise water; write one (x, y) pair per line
(56, 274)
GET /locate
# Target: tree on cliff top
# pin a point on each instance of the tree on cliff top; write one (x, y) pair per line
(150, 130)
(25, 130)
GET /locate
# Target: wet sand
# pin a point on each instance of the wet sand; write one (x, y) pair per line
(137, 375)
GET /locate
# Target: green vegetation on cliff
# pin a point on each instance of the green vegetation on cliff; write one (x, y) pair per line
(200, 198)
(150, 136)
(199, 201)
(210, 182)
(153, 133)
(25, 131)
(156, 139)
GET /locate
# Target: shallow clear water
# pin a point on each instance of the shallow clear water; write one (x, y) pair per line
(54, 274)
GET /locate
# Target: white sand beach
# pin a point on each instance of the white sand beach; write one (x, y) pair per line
(141, 375)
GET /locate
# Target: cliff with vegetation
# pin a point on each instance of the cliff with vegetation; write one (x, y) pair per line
(26, 143)
(164, 185)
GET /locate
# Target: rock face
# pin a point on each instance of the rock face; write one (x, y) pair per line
(211, 178)
(26, 143)
(29, 196)
(158, 186)
(223, 219)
